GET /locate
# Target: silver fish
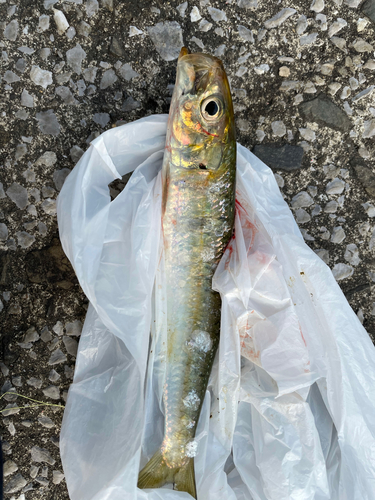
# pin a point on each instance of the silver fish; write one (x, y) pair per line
(198, 175)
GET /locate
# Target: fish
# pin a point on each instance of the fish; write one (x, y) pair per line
(198, 210)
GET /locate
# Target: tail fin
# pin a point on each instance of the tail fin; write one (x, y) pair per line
(184, 479)
(156, 473)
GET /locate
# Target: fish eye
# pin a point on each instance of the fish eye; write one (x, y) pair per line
(211, 108)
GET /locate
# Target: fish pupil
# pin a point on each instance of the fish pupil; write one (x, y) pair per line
(202, 166)
(212, 108)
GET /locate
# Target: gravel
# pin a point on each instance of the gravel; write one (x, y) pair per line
(278, 128)
(35, 382)
(57, 357)
(18, 194)
(75, 57)
(364, 174)
(9, 467)
(40, 76)
(11, 30)
(71, 345)
(342, 271)
(3, 232)
(352, 254)
(41, 455)
(245, 34)
(368, 9)
(286, 157)
(279, 18)
(15, 484)
(57, 477)
(302, 199)
(323, 110)
(338, 235)
(167, 38)
(46, 422)
(336, 186)
(48, 123)
(302, 78)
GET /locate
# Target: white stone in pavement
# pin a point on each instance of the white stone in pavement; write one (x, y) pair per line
(341, 271)
(279, 18)
(338, 235)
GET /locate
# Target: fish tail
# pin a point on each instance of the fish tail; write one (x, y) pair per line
(184, 479)
(156, 473)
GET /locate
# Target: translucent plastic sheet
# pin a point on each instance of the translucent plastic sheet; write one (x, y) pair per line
(289, 413)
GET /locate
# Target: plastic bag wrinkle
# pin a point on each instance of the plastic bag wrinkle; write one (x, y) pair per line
(292, 391)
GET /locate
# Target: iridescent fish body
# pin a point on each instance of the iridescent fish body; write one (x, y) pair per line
(198, 176)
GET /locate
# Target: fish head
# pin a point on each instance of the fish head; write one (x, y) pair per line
(201, 120)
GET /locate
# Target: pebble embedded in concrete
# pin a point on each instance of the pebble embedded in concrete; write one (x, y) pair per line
(59, 176)
(48, 123)
(245, 34)
(71, 345)
(336, 186)
(9, 467)
(278, 128)
(15, 484)
(302, 216)
(40, 76)
(284, 71)
(25, 240)
(11, 30)
(301, 24)
(302, 200)
(46, 422)
(52, 392)
(323, 254)
(41, 455)
(352, 254)
(74, 328)
(167, 38)
(57, 357)
(127, 72)
(57, 477)
(60, 20)
(307, 134)
(279, 18)
(195, 15)
(75, 57)
(342, 271)
(18, 194)
(108, 79)
(337, 26)
(338, 235)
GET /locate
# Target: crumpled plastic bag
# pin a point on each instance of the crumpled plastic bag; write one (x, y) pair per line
(289, 413)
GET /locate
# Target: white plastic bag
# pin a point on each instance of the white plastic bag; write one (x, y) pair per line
(290, 409)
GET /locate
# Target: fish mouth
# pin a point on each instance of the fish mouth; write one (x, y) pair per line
(183, 52)
(200, 60)
(197, 71)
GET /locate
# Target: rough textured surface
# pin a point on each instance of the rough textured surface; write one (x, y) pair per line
(302, 76)
(286, 157)
(322, 110)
